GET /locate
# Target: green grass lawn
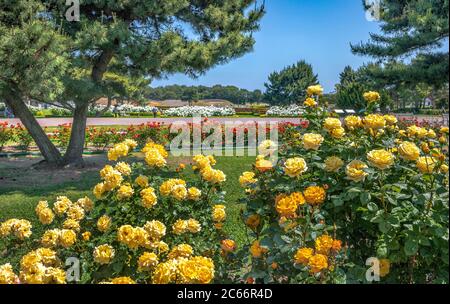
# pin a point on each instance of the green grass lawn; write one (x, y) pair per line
(19, 197)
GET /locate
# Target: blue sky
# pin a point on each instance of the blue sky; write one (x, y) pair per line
(318, 31)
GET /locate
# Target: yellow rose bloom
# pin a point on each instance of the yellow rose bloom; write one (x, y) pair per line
(426, 164)
(181, 251)
(310, 102)
(86, 203)
(154, 159)
(75, 212)
(125, 192)
(294, 167)
(332, 123)
(323, 244)
(443, 169)
(123, 281)
(99, 190)
(50, 238)
(390, 119)
(338, 133)
(374, 122)
(179, 192)
(123, 168)
(214, 176)
(142, 181)
(103, 254)
(180, 227)
(355, 171)
(67, 238)
(431, 134)
(193, 226)
(147, 261)
(219, 214)
(385, 266)
(228, 245)
(371, 96)
(444, 130)
(148, 197)
(312, 141)
(165, 273)
(352, 122)
(160, 148)
(119, 150)
(314, 90)
(71, 224)
(247, 178)
(317, 263)
(104, 223)
(61, 205)
(45, 215)
(303, 255)
(7, 275)
(263, 165)
(194, 193)
(333, 164)
(314, 195)
(86, 236)
(409, 151)
(286, 206)
(256, 250)
(155, 229)
(380, 159)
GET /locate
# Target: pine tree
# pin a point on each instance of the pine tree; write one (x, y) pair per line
(289, 85)
(410, 45)
(141, 38)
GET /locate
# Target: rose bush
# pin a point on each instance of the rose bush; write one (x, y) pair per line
(346, 191)
(143, 227)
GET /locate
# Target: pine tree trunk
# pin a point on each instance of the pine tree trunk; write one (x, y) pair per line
(48, 150)
(74, 154)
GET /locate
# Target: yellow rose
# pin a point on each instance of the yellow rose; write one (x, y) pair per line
(71, 224)
(193, 226)
(310, 102)
(426, 164)
(312, 141)
(390, 119)
(194, 194)
(408, 151)
(99, 190)
(219, 213)
(103, 223)
(147, 261)
(181, 251)
(355, 171)
(303, 255)
(323, 244)
(67, 238)
(263, 165)
(317, 263)
(155, 229)
(333, 164)
(179, 192)
(149, 198)
(153, 146)
(385, 266)
(352, 122)
(380, 159)
(314, 195)
(103, 254)
(338, 133)
(180, 227)
(228, 245)
(247, 178)
(123, 168)
(165, 273)
(142, 181)
(214, 176)
(7, 275)
(332, 123)
(294, 167)
(315, 90)
(286, 206)
(374, 122)
(256, 250)
(371, 96)
(153, 158)
(125, 192)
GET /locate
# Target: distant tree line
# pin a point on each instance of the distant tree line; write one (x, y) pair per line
(193, 93)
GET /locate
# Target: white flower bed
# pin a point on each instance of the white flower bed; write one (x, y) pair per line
(292, 110)
(126, 109)
(210, 111)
